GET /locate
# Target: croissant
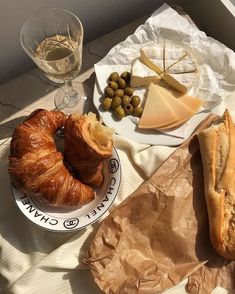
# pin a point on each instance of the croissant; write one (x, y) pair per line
(36, 166)
(87, 144)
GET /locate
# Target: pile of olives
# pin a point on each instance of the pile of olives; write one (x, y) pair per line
(119, 96)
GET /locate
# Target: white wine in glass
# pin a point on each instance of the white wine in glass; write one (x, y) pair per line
(54, 41)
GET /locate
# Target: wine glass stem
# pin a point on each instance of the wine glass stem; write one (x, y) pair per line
(71, 95)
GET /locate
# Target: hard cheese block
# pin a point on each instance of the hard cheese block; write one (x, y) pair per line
(157, 112)
(142, 75)
(157, 116)
(178, 67)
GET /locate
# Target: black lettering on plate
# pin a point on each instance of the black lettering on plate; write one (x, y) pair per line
(71, 223)
(106, 198)
(113, 165)
(110, 190)
(100, 206)
(37, 214)
(113, 181)
(53, 222)
(44, 218)
(26, 201)
(31, 208)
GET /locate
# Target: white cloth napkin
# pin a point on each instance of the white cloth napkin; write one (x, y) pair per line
(35, 261)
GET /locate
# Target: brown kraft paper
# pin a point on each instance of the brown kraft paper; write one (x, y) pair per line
(159, 235)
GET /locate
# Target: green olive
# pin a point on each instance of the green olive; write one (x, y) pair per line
(116, 102)
(126, 76)
(109, 92)
(114, 76)
(138, 111)
(106, 103)
(119, 112)
(135, 101)
(129, 91)
(119, 92)
(113, 85)
(121, 83)
(128, 108)
(126, 99)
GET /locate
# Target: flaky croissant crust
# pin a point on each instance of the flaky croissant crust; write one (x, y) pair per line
(37, 167)
(82, 152)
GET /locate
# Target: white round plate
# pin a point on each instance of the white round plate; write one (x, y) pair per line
(64, 219)
(127, 128)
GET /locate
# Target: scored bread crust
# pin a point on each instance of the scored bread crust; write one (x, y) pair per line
(217, 146)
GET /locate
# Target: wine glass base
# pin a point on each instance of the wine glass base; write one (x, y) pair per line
(81, 105)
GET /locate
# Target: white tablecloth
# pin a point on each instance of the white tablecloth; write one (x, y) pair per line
(35, 261)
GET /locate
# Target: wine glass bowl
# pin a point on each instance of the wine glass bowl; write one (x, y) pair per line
(53, 39)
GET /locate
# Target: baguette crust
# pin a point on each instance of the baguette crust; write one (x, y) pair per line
(217, 146)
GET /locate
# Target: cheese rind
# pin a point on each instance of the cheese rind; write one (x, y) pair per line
(182, 82)
(153, 57)
(178, 67)
(173, 53)
(187, 64)
(175, 83)
(142, 75)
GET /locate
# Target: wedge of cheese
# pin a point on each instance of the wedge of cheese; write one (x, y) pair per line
(185, 64)
(182, 82)
(142, 75)
(178, 67)
(172, 54)
(153, 57)
(192, 102)
(157, 112)
(183, 108)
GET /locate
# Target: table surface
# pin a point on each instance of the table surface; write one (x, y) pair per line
(32, 90)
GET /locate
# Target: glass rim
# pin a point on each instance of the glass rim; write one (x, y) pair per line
(38, 14)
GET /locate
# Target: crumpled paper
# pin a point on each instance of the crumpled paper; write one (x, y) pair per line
(159, 235)
(216, 63)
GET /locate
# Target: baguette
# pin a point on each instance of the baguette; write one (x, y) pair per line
(217, 147)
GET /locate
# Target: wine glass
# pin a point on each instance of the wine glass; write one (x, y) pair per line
(54, 40)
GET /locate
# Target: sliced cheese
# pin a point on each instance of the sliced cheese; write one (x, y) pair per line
(183, 108)
(193, 103)
(175, 83)
(173, 125)
(142, 75)
(157, 112)
(152, 56)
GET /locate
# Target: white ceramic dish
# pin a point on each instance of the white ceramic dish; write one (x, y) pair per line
(60, 219)
(127, 128)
